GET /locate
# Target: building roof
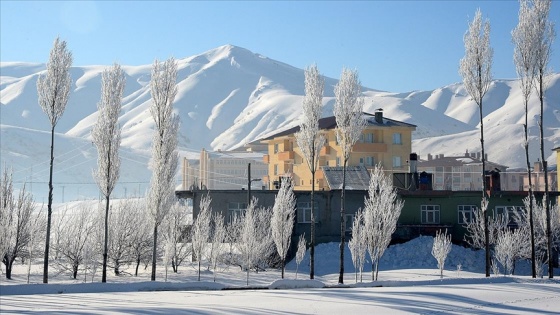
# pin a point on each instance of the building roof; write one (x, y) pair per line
(328, 123)
(357, 177)
(457, 161)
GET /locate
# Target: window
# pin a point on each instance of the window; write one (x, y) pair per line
(369, 137)
(304, 212)
(337, 161)
(429, 214)
(397, 162)
(508, 212)
(465, 213)
(276, 148)
(370, 161)
(236, 209)
(361, 161)
(275, 169)
(348, 222)
(397, 138)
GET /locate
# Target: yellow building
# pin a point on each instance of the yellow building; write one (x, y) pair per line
(383, 140)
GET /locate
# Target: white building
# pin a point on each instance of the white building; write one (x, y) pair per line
(224, 170)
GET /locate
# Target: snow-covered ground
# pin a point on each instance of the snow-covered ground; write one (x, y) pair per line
(409, 282)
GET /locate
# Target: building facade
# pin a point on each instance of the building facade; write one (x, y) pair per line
(383, 140)
(224, 170)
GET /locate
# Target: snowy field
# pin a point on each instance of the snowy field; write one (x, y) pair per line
(409, 282)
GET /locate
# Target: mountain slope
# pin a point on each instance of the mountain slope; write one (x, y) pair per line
(229, 96)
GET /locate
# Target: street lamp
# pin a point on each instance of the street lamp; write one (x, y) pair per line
(249, 180)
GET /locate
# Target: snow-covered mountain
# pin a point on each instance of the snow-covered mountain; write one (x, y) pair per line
(230, 96)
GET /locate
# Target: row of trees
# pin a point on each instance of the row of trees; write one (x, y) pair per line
(532, 37)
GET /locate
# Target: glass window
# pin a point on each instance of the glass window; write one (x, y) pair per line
(236, 209)
(348, 222)
(275, 169)
(304, 212)
(397, 138)
(429, 214)
(370, 161)
(465, 213)
(397, 161)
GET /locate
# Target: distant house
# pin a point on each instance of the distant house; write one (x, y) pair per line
(224, 170)
(462, 173)
(383, 140)
(537, 178)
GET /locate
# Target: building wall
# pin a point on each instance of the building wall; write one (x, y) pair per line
(410, 223)
(286, 159)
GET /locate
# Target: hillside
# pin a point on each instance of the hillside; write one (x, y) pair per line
(230, 96)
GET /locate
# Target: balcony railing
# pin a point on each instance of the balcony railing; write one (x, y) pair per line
(369, 147)
(286, 156)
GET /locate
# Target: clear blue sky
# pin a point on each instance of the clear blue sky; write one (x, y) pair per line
(396, 46)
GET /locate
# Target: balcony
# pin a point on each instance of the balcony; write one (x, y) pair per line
(286, 156)
(369, 147)
(266, 159)
(325, 150)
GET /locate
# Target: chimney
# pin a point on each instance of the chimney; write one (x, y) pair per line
(467, 153)
(537, 167)
(379, 116)
(441, 156)
(413, 163)
(429, 157)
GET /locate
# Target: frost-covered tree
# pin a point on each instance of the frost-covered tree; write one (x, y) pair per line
(121, 228)
(16, 214)
(508, 248)
(476, 71)
(441, 248)
(201, 230)
(348, 112)
(544, 29)
(254, 242)
(175, 224)
(141, 237)
(218, 238)
(301, 249)
(382, 209)
(106, 135)
(164, 160)
(358, 243)
(524, 39)
(53, 88)
(78, 228)
(477, 227)
(282, 221)
(310, 141)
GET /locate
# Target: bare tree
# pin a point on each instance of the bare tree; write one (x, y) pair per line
(16, 213)
(120, 231)
(78, 228)
(358, 243)
(141, 238)
(348, 112)
(175, 234)
(441, 248)
(164, 146)
(254, 241)
(282, 220)
(508, 248)
(300, 254)
(476, 70)
(53, 89)
(477, 227)
(201, 230)
(218, 239)
(106, 135)
(523, 37)
(310, 141)
(381, 213)
(544, 37)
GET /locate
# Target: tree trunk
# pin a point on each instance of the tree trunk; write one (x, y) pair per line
(484, 194)
(154, 253)
(8, 262)
(75, 266)
(283, 266)
(105, 250)
(137, 265)
(342, 226)
(49, 214)
(545, 168)
(531, 222)
(312, 240)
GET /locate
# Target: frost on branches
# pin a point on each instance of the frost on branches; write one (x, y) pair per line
(300, 254)
(348, 112)
(309, 139)
(282, 221)
(358, 243)
(381, 213)
(106, 135)
(201, 230)
(53, 89)
(164, 160)
(440, 249)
